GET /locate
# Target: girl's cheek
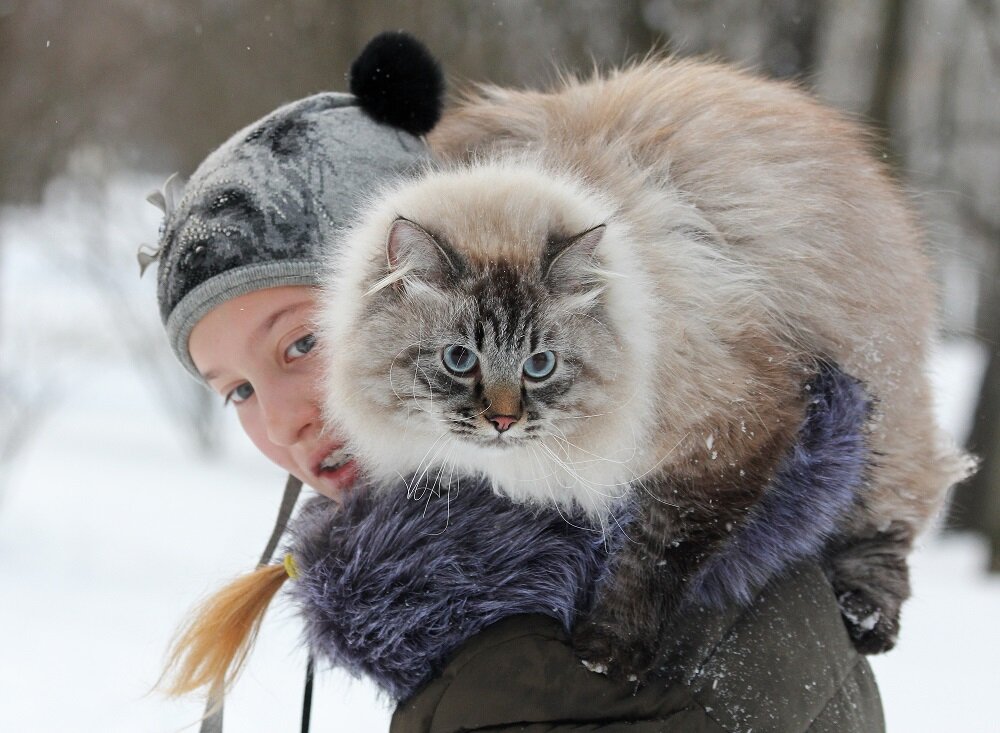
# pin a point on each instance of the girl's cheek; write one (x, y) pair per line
(253, 426)
(312, 380)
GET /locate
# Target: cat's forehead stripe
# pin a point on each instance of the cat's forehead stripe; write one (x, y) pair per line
(506, 309)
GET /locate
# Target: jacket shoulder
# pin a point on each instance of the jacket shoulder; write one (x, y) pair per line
(521, 674)
(783, 663)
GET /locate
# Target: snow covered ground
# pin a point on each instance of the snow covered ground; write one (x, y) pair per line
(111, 527)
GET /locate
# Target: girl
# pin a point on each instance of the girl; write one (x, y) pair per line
(458, 603)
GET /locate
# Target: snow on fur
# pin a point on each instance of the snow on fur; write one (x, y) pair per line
(815, 486)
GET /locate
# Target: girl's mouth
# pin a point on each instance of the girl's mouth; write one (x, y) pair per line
(335, 461)
(336, 474)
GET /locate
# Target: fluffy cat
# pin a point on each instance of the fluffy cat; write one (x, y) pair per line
(616, 291)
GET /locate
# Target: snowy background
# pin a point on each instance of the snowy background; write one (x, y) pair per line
(112, 524)
(125, 495)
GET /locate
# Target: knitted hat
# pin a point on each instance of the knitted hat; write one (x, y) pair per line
(256, 212)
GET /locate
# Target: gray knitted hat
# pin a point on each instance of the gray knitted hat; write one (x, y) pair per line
(256, 212)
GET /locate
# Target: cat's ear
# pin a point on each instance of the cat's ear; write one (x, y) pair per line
(568, 263)
(416, 253)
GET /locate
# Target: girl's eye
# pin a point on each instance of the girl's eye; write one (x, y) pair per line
(241, 393)
(459, 360)
(540, 365)
(301, 347)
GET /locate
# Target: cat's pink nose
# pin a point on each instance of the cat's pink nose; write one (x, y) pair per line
(502, 422)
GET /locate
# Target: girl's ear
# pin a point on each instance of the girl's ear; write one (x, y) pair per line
(413, 252)
(568, 263)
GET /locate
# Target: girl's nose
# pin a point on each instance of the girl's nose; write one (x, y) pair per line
(288, 420)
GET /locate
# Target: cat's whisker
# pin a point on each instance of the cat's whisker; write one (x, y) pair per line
(446, 487)
(422, 469)
(427, 413)
(433, 460)
(414, 398)
(565, 456)
(581, 463)
(625, 403)
(637, 480)
(595, 457)
(635, 443)
(566, 464)
(451, 467)
(483, 411)
(416, 370)
(546, 476)
(588, 484)
(451, 473)
(563, 446)
(621, 527)
(392, 365)
(430, 386)
(597, 320)
(557, 504)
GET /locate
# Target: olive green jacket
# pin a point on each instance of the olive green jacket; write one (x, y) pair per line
(785, 663)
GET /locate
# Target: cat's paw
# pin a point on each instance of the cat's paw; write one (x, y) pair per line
(871, 580)
(603, 651)
(873, 629)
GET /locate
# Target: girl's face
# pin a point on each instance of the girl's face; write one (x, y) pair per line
(256, 350)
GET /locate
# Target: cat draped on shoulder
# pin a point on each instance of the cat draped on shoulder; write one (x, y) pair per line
(613, 297)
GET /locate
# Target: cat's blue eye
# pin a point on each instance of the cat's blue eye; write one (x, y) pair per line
(241, 393)
(301, 347)
(459, 360)
(540, 365)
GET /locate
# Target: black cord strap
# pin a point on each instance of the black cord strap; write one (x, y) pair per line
(292, 488)
(307, 696)
(213, 723)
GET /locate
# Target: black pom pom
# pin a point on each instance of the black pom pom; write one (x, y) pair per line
(398, 82)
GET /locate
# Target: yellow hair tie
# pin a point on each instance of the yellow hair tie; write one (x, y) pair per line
(290, 567)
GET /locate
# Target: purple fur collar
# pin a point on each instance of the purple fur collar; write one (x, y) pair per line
(392, 584)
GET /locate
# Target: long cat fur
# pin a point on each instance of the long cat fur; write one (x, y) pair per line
(734, 233)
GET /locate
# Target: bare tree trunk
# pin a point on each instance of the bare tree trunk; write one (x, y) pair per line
(976, 504)
(791, 38)
(638, 34)
(890, 53)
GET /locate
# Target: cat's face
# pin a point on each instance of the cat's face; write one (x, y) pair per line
(495, 353)
(508, 320)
